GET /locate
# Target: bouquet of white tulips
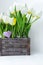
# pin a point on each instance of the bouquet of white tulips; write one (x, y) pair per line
(18, 23)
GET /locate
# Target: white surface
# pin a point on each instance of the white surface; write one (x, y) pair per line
(36, 59)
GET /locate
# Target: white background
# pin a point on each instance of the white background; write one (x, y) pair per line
(36, 35)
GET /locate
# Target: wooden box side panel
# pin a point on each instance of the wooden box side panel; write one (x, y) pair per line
(15, 47)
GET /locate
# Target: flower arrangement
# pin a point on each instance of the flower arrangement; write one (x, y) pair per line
(18, 24)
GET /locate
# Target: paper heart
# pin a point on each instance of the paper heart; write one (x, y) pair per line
(7, 34)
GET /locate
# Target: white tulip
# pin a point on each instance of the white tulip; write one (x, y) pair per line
(28, 16)
(1, 15)
(36, 17)
(24, 10)
(10, 21)
(11, 9)
(40, 13)
(7, 19)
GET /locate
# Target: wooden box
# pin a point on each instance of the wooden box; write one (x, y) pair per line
(16, 46)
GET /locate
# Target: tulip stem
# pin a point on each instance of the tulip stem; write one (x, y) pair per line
(12, 32)
(6, 27)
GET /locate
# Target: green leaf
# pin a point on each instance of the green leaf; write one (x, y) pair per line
(26, 30)
(12, 15)
(29, 18)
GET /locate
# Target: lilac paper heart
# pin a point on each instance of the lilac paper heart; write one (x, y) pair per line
(7, 34)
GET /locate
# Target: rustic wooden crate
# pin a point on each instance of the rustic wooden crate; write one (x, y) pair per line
(16, 46)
